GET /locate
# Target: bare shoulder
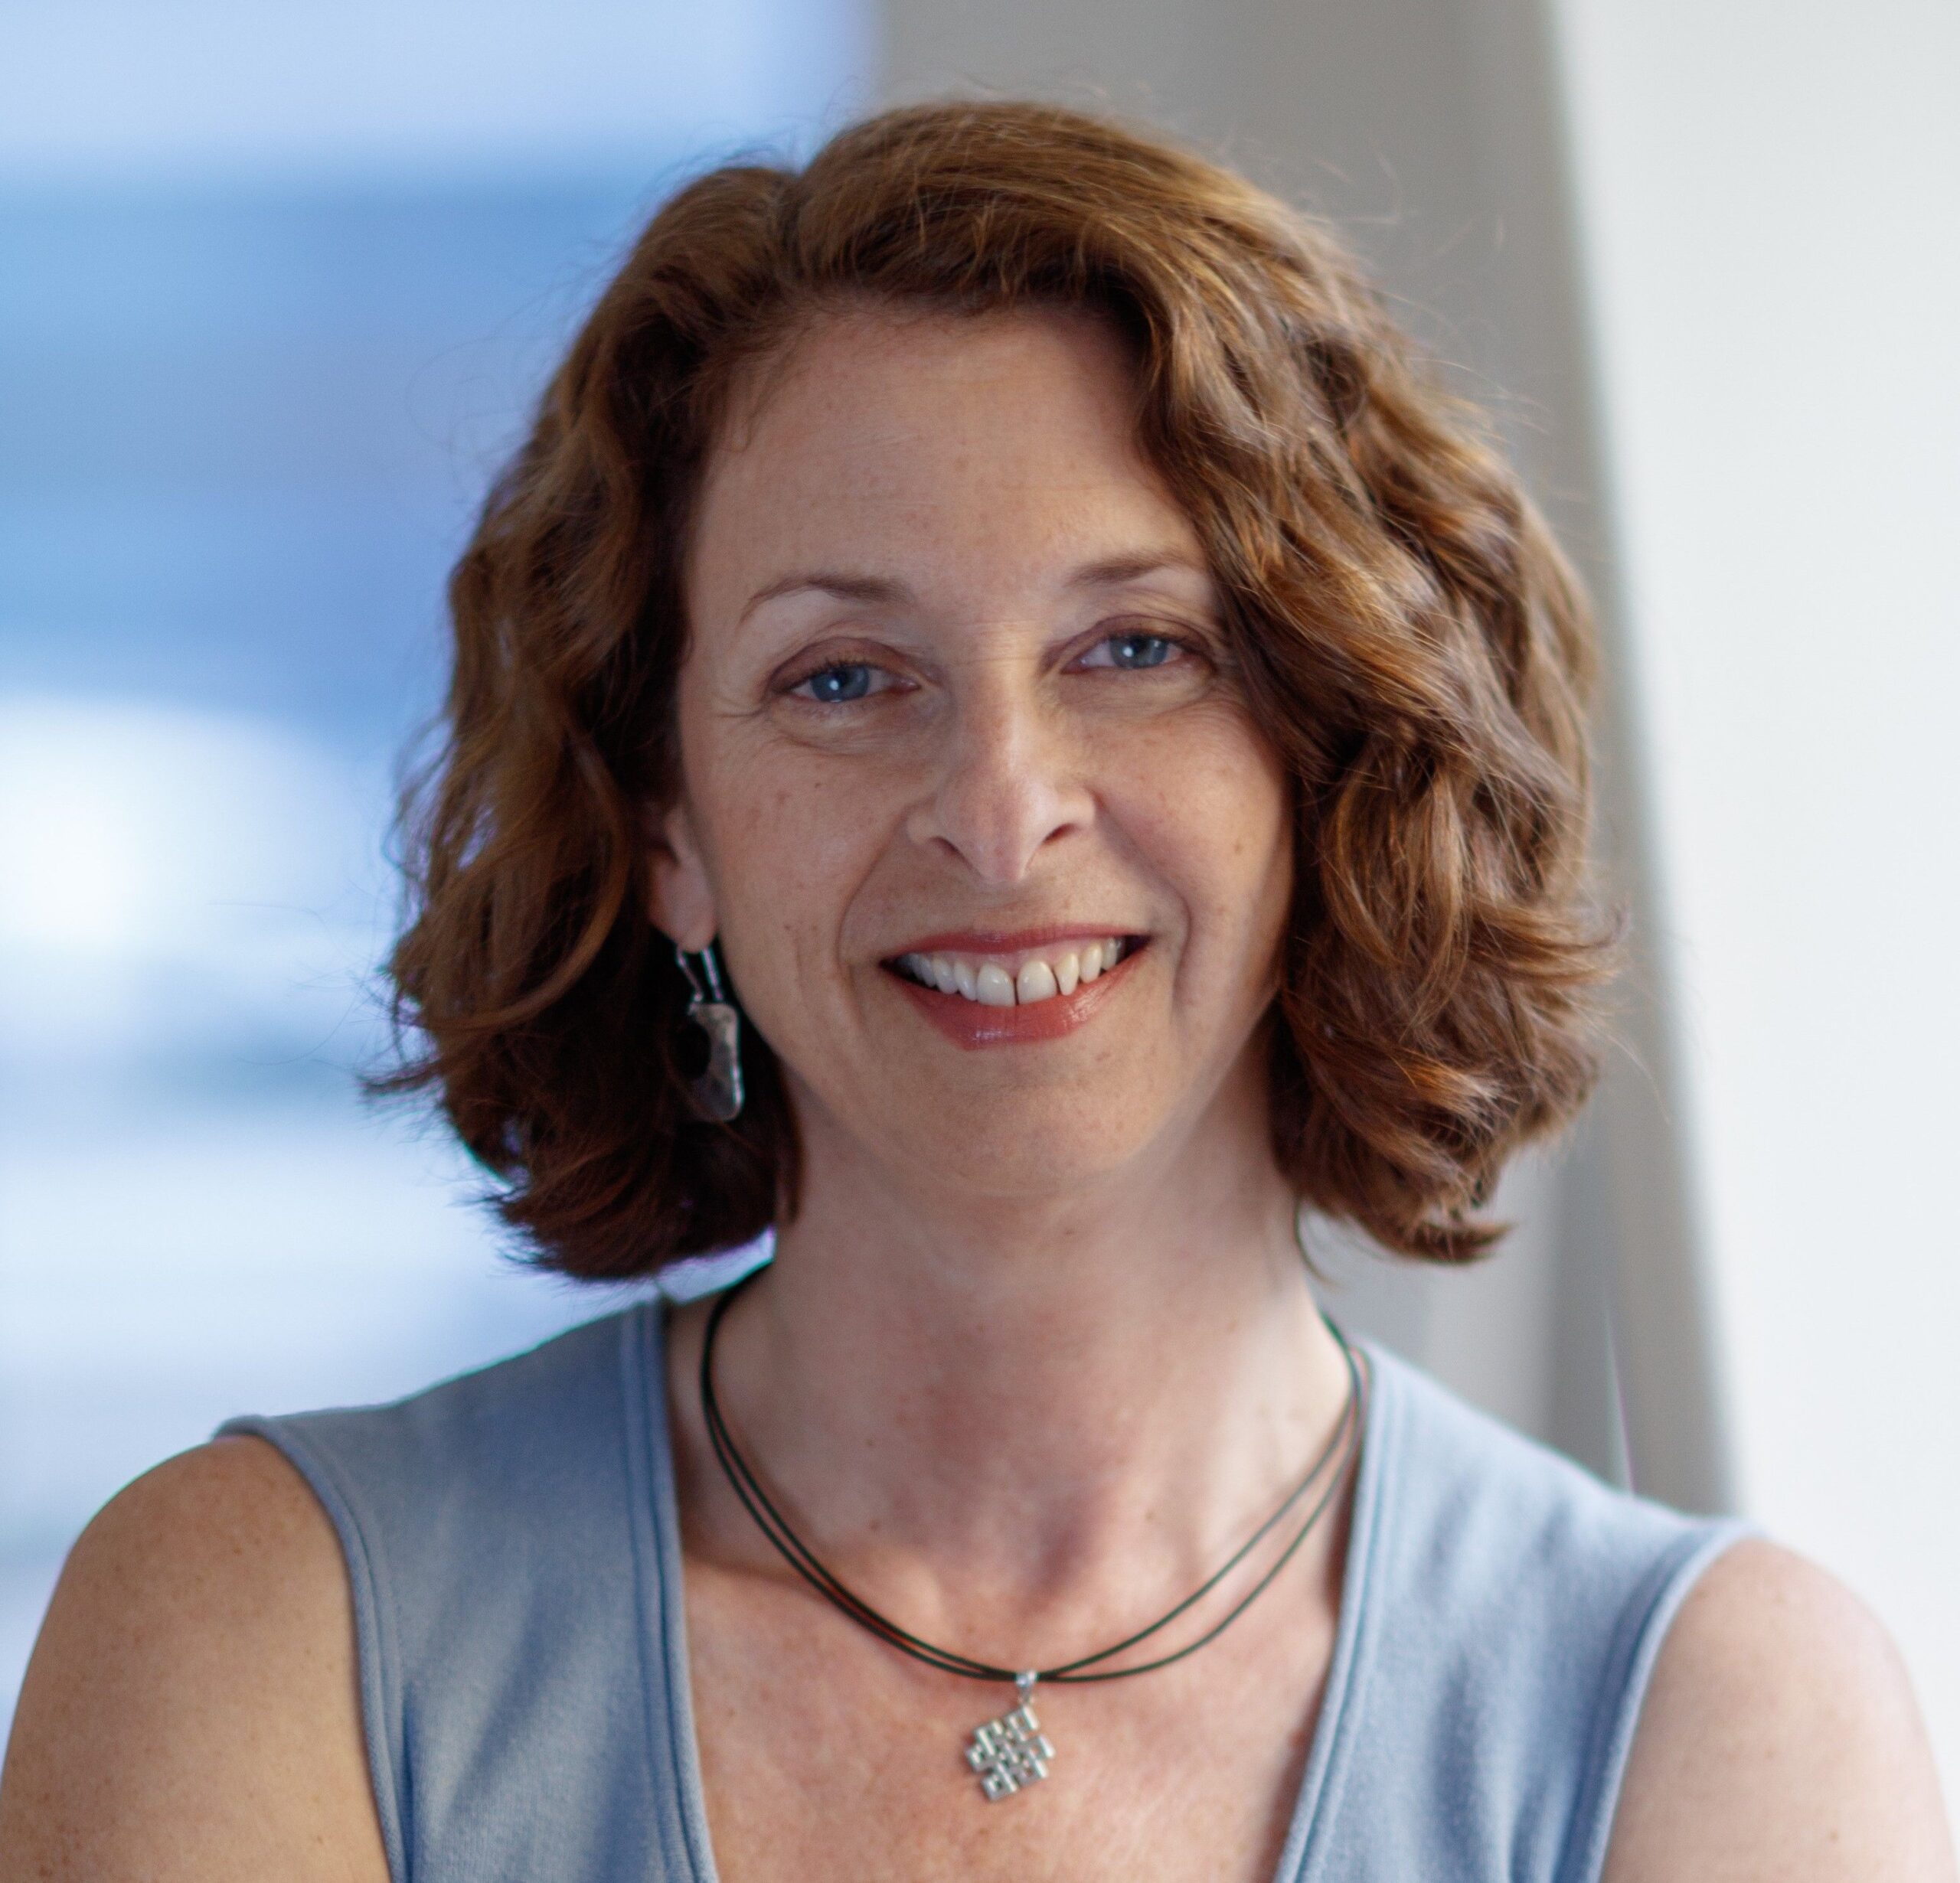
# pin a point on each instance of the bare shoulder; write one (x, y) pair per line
(1779, 1739)
(192, 1707)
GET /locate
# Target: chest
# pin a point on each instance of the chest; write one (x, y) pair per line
(827, 1757)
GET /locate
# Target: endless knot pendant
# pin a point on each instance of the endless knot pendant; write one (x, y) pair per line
(1011, 1751)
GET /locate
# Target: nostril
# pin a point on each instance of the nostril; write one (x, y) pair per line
(1003, 785)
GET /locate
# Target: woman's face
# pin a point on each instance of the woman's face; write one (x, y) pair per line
(958, 708)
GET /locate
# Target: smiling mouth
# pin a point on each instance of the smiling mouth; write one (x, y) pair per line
(1023, 977)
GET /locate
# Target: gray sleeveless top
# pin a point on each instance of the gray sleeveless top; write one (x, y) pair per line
(513, 1546)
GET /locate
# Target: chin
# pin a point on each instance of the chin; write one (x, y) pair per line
(1027, 1143)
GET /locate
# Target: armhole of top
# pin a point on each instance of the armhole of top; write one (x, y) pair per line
(374, 1642)
(1637, 1644)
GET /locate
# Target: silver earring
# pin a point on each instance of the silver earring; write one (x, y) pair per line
(717, 1092)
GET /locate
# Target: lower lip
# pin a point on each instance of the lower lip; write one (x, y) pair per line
(970, 1024)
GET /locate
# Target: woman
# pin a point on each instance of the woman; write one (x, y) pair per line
(1003, 728)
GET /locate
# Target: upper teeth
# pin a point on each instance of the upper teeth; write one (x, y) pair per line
(994, 984)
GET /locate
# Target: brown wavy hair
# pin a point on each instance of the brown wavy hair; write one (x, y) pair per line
(1412, 641)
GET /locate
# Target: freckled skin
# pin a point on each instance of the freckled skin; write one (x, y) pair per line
(996, 780)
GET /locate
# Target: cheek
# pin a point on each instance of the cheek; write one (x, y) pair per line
(777, 836)
(1215, 804)
(791, 843)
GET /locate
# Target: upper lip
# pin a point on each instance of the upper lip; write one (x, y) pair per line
(1007, 941)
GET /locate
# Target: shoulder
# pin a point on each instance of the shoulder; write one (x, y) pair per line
(1513, 1605)
(1588, 1674)
(1481, 1510)
(1779, 1738)
(192, 1709)
(415, 1486)
(228, 1654)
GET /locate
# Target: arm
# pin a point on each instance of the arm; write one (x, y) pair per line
(191, 1710)
(1779, 1742)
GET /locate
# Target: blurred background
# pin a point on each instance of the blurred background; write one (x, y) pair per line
(278, 286)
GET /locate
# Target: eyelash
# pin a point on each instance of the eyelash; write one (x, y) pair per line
(1177, 641)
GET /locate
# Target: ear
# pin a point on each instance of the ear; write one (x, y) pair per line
(680, 897)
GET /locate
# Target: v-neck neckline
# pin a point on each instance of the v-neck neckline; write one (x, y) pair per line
(665, 1608)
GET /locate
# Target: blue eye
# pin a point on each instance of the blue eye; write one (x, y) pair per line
(838, 685)
(1139, 651)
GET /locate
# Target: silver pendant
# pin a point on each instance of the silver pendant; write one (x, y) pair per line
(1012, 1751)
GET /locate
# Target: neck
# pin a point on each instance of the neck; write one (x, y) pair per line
(1058, 1394)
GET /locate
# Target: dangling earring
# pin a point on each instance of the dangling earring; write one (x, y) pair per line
(717, 1092)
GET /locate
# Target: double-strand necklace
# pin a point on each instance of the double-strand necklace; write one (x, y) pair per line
(1011, 1752)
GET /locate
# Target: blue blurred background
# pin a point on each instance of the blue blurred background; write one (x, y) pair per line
(255, 368)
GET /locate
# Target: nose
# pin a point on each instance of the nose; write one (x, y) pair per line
(1008, 783)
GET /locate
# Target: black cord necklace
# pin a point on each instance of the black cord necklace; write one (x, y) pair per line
(1011, 1751)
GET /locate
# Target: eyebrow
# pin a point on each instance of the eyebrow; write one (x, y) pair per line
(873, 590)
(877, 591)
(1114, 571)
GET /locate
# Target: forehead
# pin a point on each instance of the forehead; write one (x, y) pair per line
(921, 435)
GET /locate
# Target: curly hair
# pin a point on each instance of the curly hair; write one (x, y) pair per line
(1412, 643)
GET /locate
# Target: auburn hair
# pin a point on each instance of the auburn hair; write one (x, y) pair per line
(1411, 641)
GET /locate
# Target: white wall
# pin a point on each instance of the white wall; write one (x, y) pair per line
(1767, 196)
